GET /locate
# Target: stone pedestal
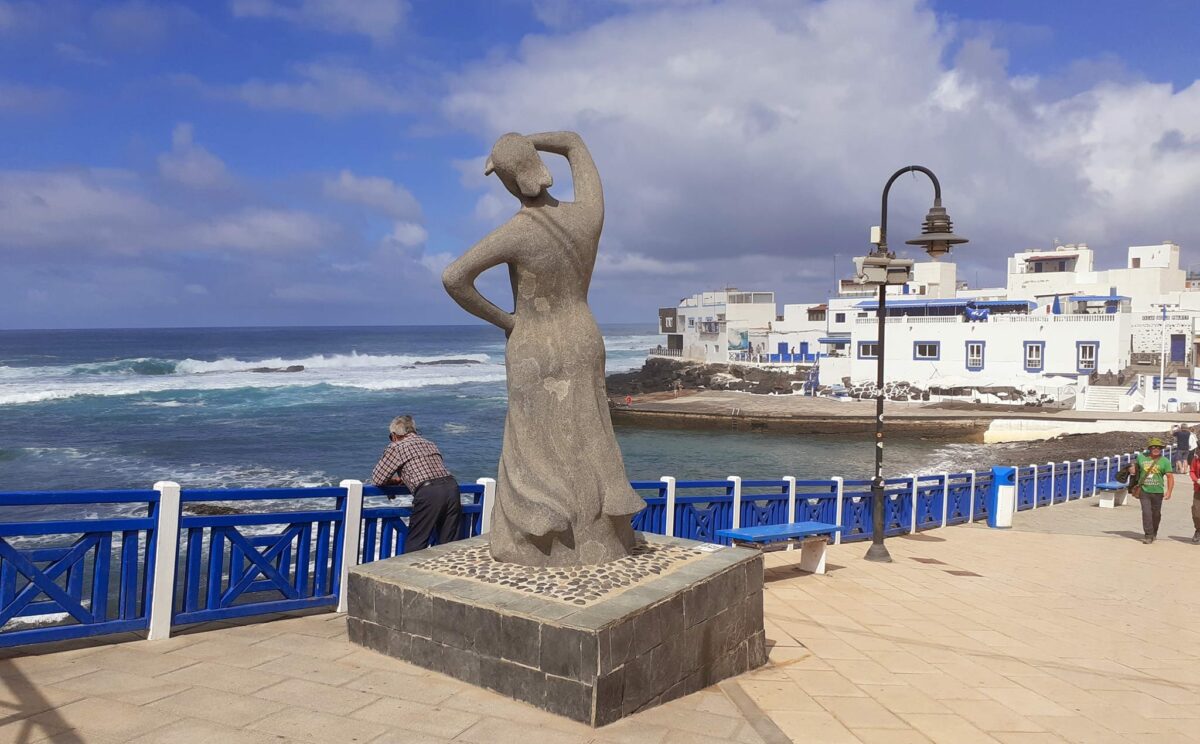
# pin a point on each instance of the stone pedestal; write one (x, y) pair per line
(593, 643)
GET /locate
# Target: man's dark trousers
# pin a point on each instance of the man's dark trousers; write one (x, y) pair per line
(437, 510)
(1151, 513)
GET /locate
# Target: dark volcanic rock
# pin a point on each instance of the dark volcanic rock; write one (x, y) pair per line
(293, 368)
(440, 362)
(662, 375)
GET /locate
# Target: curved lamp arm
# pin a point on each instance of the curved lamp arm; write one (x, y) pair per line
(937, 198)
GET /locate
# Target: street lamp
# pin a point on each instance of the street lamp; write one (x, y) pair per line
(881, 268)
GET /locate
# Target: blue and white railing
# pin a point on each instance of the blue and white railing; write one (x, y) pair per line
(285, 549)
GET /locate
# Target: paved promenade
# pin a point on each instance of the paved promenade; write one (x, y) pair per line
(1062, 629)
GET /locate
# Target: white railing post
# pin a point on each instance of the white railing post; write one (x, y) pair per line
(486, 504)
(737, 500)
(912, 520)
(669, 516)
(1107, 469)
(1095, 474)
(1082, 476)
(945, 497)
(166, 554)
(1052, 480)
(351, 533)
(1068, 488)
(790, 481)
(971, 501)
(840, 485)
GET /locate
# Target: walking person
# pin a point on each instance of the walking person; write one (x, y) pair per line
(413, 461)
(1194, 469)
(1185, 444)
(1155, 480)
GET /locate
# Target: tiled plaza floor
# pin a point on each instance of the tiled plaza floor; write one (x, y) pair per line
(1062, 629)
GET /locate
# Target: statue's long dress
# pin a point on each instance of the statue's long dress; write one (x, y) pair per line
(562, 495)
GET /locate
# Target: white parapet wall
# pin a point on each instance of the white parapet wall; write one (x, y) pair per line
(1033, 430)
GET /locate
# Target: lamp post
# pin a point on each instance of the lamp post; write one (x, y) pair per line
(882, 268)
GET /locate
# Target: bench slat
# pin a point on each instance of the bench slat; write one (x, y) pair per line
(771, 532)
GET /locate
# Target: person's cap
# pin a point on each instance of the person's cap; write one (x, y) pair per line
(1154, 442)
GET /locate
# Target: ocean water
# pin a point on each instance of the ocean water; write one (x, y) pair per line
(125, 408)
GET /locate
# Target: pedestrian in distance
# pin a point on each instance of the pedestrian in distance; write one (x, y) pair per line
(1185, 447)
(1194, 469)
(1154, 479)
(413, 461)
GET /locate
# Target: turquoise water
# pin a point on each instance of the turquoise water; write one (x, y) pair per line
(125, 408)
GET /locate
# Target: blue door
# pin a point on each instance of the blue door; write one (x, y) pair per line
(1178, 347)
(803, 348)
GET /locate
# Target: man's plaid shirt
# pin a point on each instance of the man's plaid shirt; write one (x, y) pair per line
(416, 460)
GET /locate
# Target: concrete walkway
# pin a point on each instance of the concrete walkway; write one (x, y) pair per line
(1061, 629)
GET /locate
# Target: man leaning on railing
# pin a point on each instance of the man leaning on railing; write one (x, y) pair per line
(413, 461)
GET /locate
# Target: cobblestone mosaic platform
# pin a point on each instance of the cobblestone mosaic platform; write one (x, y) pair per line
(579, 586)
(592, 644)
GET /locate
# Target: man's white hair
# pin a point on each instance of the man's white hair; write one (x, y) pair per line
(402, 425)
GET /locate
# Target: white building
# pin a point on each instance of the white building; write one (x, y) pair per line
(1058, 322)
(708, 326)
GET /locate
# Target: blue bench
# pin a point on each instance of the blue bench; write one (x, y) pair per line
(1115, 493)
(813, 536)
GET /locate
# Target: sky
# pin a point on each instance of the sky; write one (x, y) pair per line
(319, 162)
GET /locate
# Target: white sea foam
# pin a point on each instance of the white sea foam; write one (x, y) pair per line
(23, 385)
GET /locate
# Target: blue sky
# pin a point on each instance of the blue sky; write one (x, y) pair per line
(260, 162)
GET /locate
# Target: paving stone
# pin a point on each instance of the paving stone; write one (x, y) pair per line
(325, 698)
(137, 689)
(433, 720)
(103, 718)
(216, 705)
(302, 724)
(196, 731)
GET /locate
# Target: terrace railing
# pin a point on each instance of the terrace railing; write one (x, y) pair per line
(246, 552)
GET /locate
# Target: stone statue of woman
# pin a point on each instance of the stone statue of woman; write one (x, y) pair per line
(562, 496)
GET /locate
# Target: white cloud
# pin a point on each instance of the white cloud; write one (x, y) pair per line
(16, 98)
(723, 129)
(614, 263)
(328, 89)
(380, 194)
(408, 234)
(71, 209)
(378, 20)
(190, 164)
(138, 23)
(72, 53)
(259, 229)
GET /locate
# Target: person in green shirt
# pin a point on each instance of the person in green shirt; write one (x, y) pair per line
(1155, 477)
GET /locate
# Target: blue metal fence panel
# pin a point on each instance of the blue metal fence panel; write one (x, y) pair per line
(1026, 488)
(764, 502)
(699, 516)
(958, 509)
(856, 510)
(983, 485)
(816, 501)
(1062, 481)
(929, 497)
(1045, 491)
(63, 579)
(236, 565)
(653, 518)
(384, 531)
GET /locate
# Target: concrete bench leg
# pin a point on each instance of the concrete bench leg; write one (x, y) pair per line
(1108, 500)
(812, 554)
(1122, 497)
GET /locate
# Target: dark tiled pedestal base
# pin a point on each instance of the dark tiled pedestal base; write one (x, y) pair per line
(667, 636)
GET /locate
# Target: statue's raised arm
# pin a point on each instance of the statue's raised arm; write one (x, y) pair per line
(583, 169)
(459, 279)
